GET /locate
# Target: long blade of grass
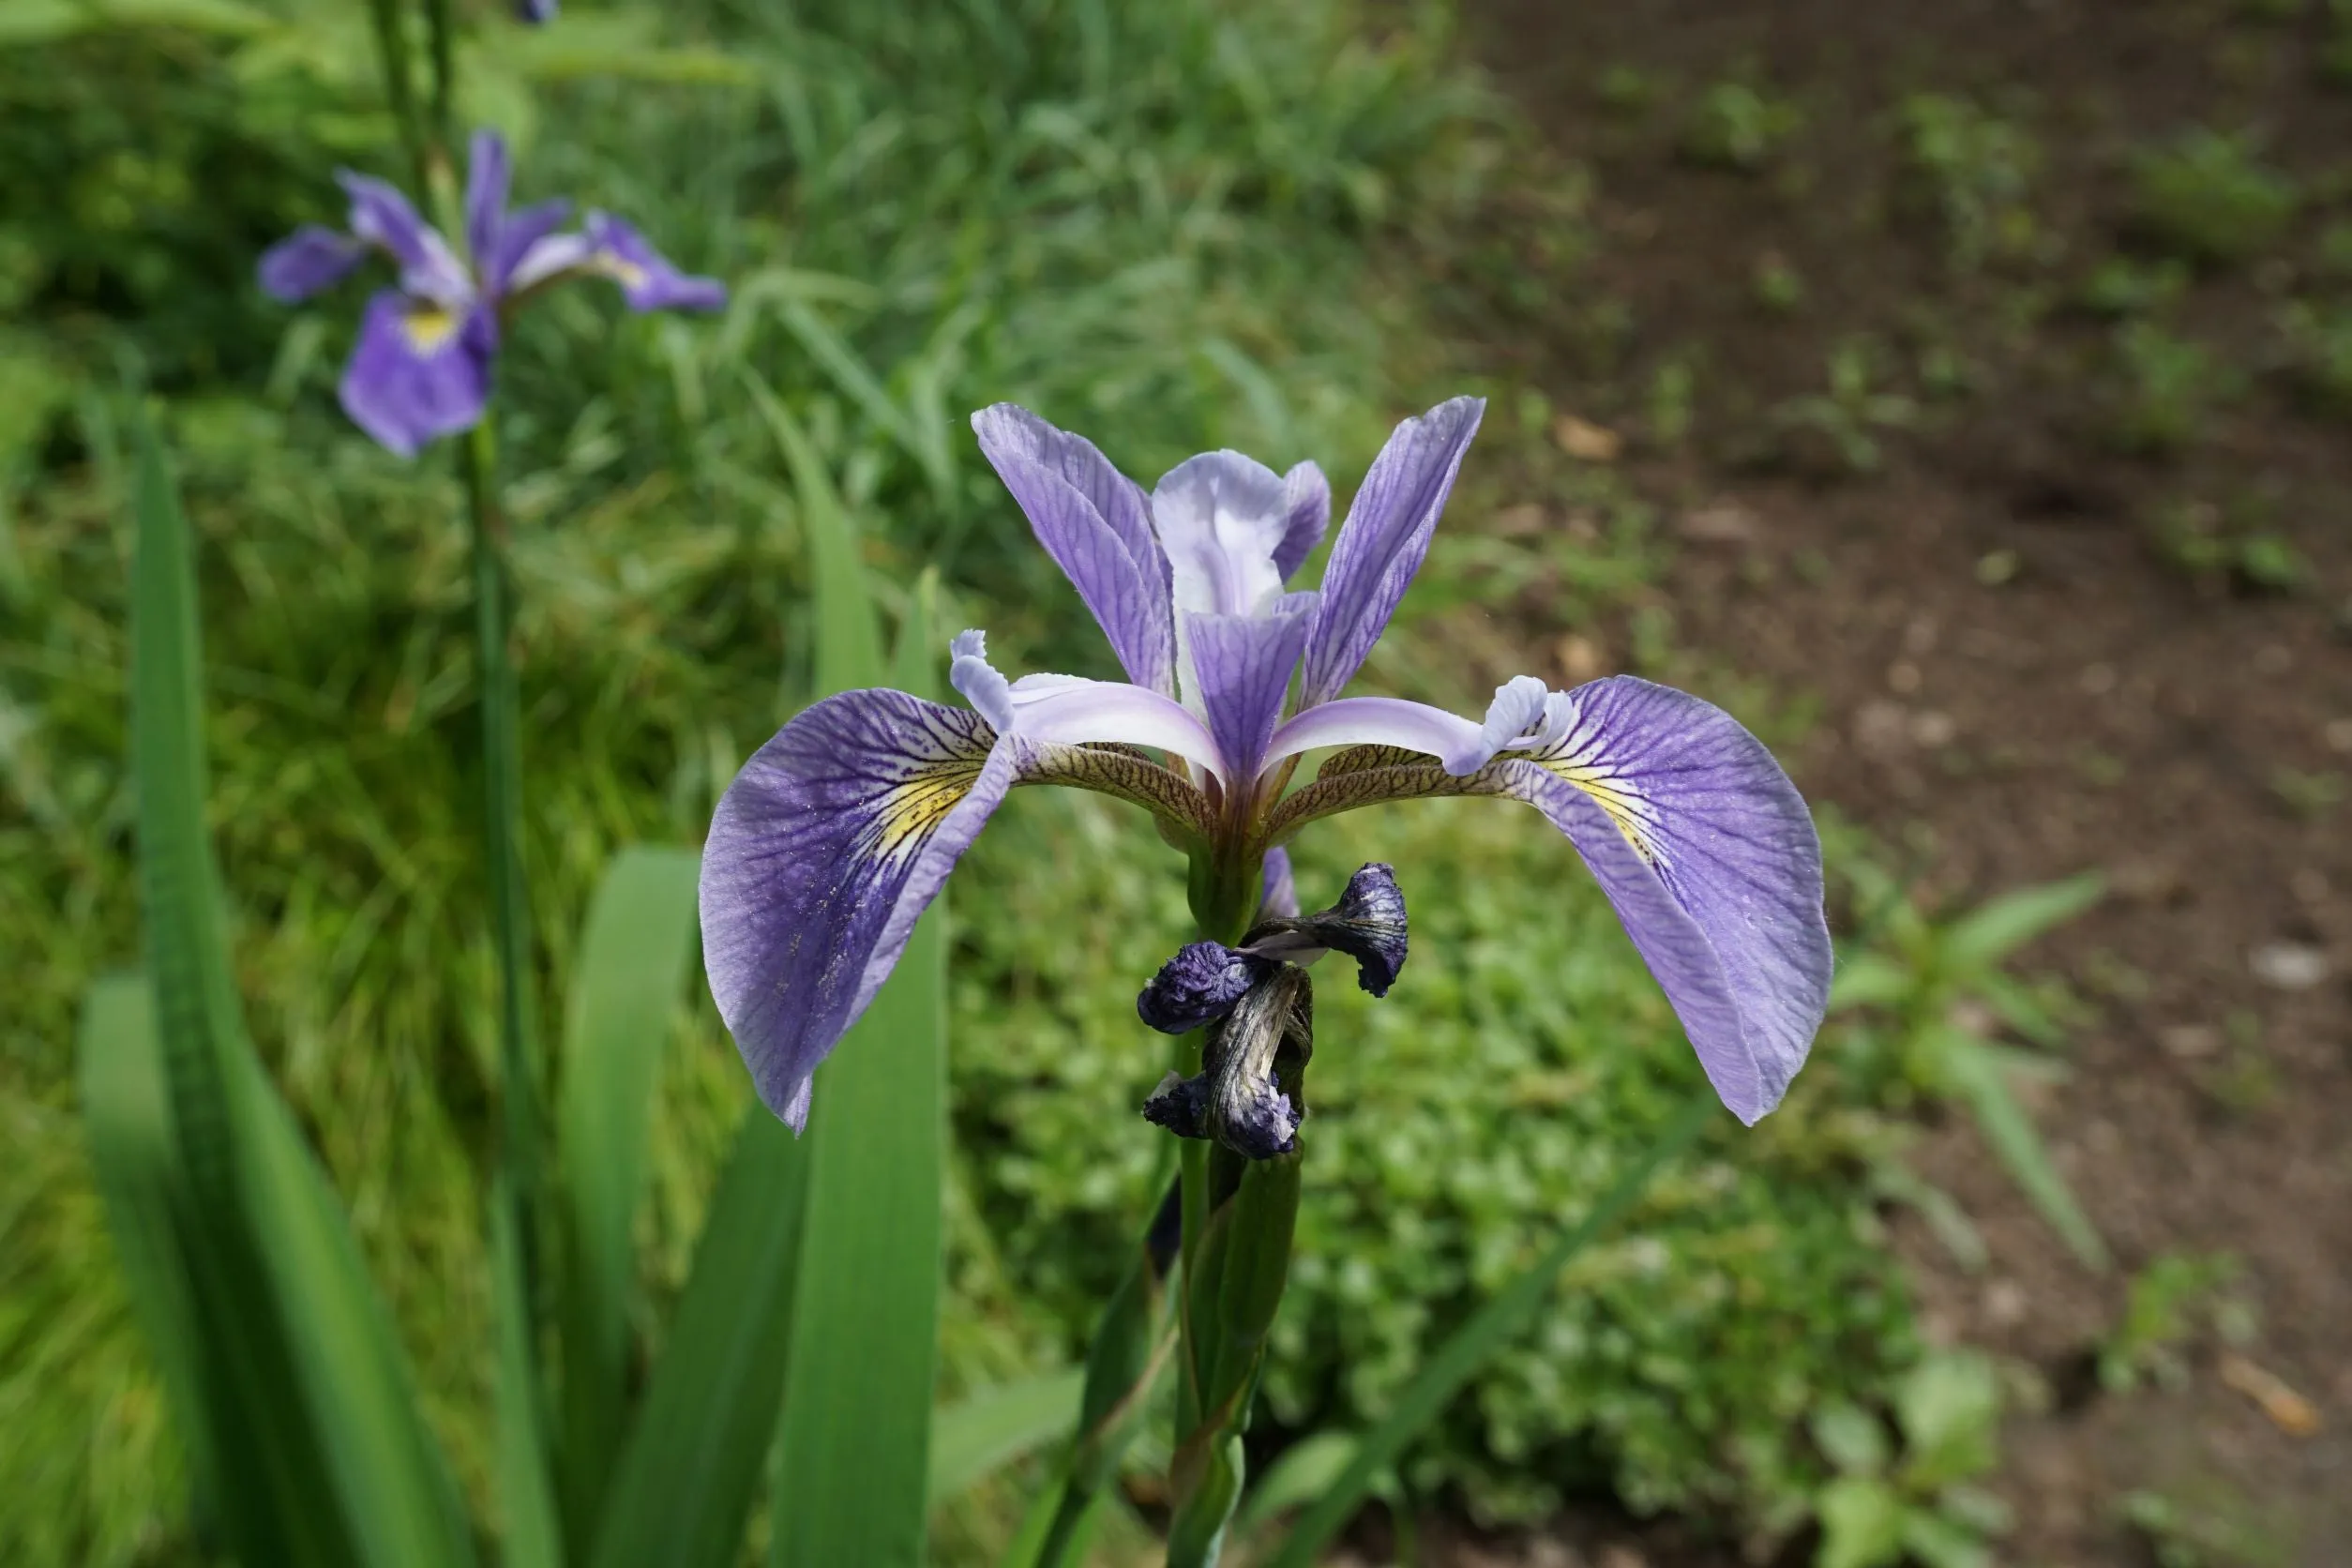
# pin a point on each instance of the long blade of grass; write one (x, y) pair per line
(1976, 1071)
(1989, 933)
(631, 961)
(126, 1116)
(692, 1466)
(529, 1536)
(848, 642)
(1461, 1356)
(853, 1457)
(997, 1425)
(322, 1454)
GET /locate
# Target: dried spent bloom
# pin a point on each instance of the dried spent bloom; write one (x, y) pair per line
(422, 369)
(839, 832)
(1258, 1007)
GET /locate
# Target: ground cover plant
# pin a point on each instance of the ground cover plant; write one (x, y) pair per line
(1177, 279)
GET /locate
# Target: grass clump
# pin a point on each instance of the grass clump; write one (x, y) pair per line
(2209, 199)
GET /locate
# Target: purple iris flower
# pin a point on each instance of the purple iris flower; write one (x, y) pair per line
(422, 369)
(534, 11)
(841, 831)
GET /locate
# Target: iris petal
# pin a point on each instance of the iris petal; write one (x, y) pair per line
(488, 173)
(1307, 513)
(1703, 845)
(381, 216)
(1093, 520)
(825, 849)
(1383, 540)
(419, 370)
(1222, 518)
(648, 280)
(1242, 670)
(308, 261)
(1071, 710)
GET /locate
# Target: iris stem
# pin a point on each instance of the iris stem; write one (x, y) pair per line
(502, 818)
(399, 92)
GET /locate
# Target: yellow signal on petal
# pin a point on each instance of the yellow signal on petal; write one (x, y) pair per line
(912, 809)
(1635, 817)
(428, 328)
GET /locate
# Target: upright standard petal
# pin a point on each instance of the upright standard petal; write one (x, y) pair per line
(488, 173)
(823, 851)
(306, 261)
(1091, 520)
(1279, 898)
(381, 216)
(420, 370)
(1383, 540)
(648, 281)
(1242, 670)
(1306, 512)
(1221, 518)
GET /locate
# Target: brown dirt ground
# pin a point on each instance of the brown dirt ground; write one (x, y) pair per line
(2100, 706)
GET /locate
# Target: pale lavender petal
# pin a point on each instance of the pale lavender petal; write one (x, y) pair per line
(1071, 710)
(488, 174)
(648, 281)
(1221, 517)
(1710, 856)
(381, 216)
(1455, 741)
(1091, 520)
(1383, 540)
(1242, 670)
(825, 849)
(1306, 512)
(546, 258)
(1279, 898)
(526, 251)
(306, 261)
(419, 370)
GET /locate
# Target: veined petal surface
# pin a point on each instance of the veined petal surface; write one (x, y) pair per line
(1222, 518)
(1094, 522)
(1307, 513)
(1708, 811)
(1382, 542)
(831, 841)
(1702, 844)
(1242, 668)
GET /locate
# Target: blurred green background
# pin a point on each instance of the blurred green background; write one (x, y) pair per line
(1170, 224)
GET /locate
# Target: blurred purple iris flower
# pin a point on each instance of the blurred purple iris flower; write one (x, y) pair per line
(422, 369)
(841, 831)
(534, 11)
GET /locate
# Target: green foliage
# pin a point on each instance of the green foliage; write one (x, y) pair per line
(1975, 171)
(1936, 1000)
(2319, 346)
(1735, 125)
(2166, 389)
(1845, 420)
(2177, 1297)
(2209, 199)
(1523, 1062)
(2125, 286)
(2240, 546)
(2213, 1526)
(1915, 1507)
